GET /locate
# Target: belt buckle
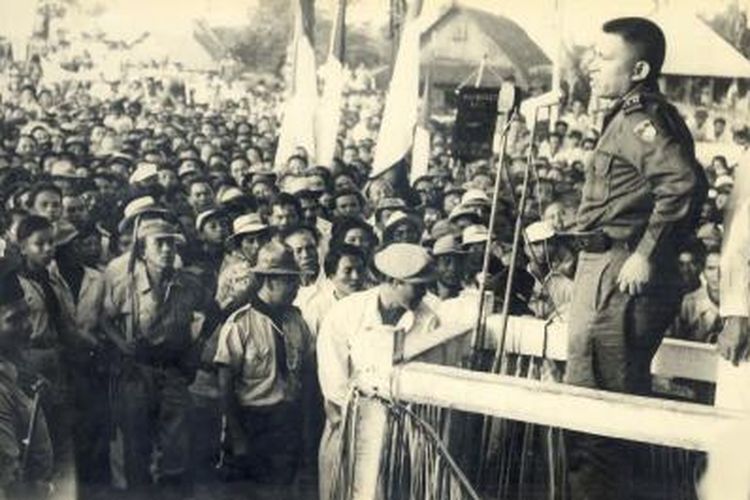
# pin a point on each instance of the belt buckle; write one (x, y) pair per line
(596, 242)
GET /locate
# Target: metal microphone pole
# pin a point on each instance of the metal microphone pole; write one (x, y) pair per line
(498, 358)
(478, 335)
(498, 361)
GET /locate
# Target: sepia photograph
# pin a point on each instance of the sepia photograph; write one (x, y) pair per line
(374, 250)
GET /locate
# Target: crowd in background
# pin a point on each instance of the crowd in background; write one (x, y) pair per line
(93, 181)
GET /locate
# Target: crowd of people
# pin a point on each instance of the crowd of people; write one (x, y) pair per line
(176, 281)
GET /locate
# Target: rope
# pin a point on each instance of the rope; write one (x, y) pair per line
(414, 461)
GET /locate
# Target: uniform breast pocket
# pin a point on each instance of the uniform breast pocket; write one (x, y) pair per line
(258, 361)
(596, 187)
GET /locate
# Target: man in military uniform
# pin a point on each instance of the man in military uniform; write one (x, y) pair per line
(643, 186)
(149, 312)
(25, 467)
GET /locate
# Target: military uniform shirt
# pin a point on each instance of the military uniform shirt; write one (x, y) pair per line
(641, 180)
(134, 306)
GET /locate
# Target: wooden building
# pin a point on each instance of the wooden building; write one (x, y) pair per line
(462, 43)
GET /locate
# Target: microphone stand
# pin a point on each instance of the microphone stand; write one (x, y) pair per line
(478, 334)
(497, 362)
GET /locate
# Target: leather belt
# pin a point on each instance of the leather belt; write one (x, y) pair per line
(595, 241)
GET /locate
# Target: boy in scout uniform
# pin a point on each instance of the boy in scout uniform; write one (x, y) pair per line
(262, 353)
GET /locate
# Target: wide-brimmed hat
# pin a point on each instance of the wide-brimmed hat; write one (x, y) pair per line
(447, 245)
(295, 185)
(439, 229)
(187, 168)
(453, 189)
(229, 195)
(474, 197)
(142, 205)
(390, 203)
(203, 217)
(63, 170)
(277, 259)
(400, 218)
(261, 171)
(143, 172)
(159, 228)
(464, 211)
(476, 233)
(406, 262)
(247, 224)
(539, 231)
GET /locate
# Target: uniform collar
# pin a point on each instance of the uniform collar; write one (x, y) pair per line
(143, 282)
(639, 88)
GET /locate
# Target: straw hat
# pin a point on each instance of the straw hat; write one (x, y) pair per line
(397, 219)
(539, 231)
(140, 206)
(475, 197)
(203, 217)
(447, 245)
(159, 228)
(464, 211)
(247, 224)
(143, 172)
(476, 233)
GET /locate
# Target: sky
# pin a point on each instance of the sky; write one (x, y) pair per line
(128, 18)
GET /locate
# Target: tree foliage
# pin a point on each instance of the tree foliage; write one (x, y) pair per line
(731, 25)
(262, 44)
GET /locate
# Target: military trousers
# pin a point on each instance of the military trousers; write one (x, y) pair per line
(151, 413)
(612, 337)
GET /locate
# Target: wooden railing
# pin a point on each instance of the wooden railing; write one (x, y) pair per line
(661, 422)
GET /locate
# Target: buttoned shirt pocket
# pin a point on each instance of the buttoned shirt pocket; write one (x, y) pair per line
(259, 359)
(597, 185)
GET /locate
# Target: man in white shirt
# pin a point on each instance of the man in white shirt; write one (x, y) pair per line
(727, 475)
(734, 340)
(354, 338)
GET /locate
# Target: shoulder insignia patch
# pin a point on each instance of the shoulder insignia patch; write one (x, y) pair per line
(632, 103)
(646, 130)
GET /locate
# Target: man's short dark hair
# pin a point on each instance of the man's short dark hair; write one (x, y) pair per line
(30, 225)
(342, 225)
(645, 36)
(300, 228)
(340, 193)
(284, 200)
(198, 180)
(331, 263)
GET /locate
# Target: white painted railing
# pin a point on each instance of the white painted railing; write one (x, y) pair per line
(650, 420)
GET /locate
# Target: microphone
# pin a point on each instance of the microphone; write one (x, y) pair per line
(508, 98)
